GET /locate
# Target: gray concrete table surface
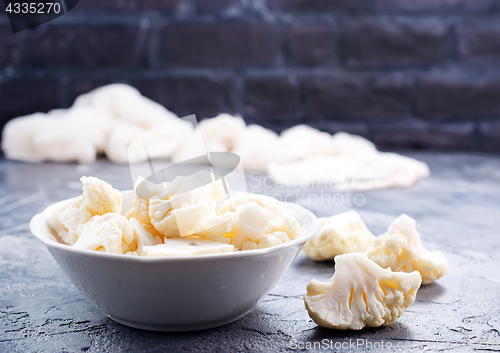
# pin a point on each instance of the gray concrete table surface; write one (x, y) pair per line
(457, 211)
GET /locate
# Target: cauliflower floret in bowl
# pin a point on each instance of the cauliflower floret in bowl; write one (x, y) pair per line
(174, 293)
(255, 222)
(98, 198)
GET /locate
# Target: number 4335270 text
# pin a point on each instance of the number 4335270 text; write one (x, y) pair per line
(25, 7)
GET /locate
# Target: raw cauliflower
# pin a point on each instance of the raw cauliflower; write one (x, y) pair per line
(224, 130)
(340, 234)
(111, 232)
(172, 221)
(187, 246)
(144, 190)
(256, 223)
(401, 250)
(144, 237)
(188, 206)
(98, 198)
(258, 147)
(175, 209)
(302, 141)
(360, 293)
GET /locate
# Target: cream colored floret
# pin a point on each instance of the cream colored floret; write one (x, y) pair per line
(98, 198)
(340, 234)
(257, 222)
(401, 250)
(187, 207)
(143, 191)
(111, 233)
(360, 294)
(181, 207)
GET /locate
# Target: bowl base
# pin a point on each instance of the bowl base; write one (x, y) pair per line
(177, 328)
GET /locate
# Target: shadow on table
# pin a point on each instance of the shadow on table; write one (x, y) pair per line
(396, 330)
(304, 261)
(430, 292)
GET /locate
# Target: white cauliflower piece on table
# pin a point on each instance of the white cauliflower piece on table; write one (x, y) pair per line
(110, 232)
(257, 222)
(340, 234)
(17, 137)
(360, 293)
(347, 144)
(258, 147)
(119, 139)
(302, 141)
(187, 246)
(401, 250)
(61, 135)
(98, 198)
(224, 130)
(125, 103)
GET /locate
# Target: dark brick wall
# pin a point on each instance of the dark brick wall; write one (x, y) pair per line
(407, 74)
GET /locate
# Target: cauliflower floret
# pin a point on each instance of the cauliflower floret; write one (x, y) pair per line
(347, 144)
(270, 205)
(224, 130)
(258, 147)
(340, 234)
(98, 198)
(119, 139)
(126, 103)
(144, 190)
(257, 222)
(178, 208)
(401, 250)
(187, 201)
(144, 238)
(187, 246)
(216, 228)
(360, 294)
(302, 141)
(111, 233)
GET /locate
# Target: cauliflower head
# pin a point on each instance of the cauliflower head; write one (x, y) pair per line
(340, 234)
(401, 250)
(110, 232)
(360, 293)
(98, 198)
(256, 223)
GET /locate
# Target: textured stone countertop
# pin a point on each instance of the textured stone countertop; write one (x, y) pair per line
(457, 211)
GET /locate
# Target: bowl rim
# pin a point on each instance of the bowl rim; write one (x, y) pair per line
(38, 221)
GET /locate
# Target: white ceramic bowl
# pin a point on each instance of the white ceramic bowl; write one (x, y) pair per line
(175, 293)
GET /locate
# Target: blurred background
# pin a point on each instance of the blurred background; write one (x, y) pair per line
(407, 74)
